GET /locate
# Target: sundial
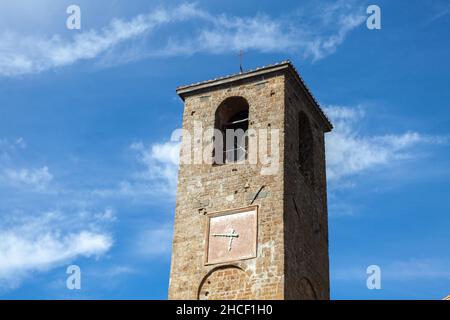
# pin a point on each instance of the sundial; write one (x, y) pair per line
(231, 235)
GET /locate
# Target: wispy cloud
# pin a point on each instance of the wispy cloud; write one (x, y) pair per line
(37, 179)
(160, 160)
(212, 33)
(439, 10)
(313, 33)
(31, 243)
(350, 151)
(158, 174)
(22, 54)
(36, 239)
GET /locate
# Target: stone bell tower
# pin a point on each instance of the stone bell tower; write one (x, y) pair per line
(242, 231)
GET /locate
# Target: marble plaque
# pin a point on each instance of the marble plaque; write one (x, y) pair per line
(231, 235)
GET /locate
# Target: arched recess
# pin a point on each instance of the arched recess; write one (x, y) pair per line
(306, 148)
(225, 283)
(232, 116)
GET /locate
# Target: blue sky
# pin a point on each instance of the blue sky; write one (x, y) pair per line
(88, 174)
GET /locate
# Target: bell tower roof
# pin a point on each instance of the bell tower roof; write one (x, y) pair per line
(284, 66)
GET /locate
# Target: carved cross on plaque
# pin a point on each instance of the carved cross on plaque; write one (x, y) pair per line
(230, 235)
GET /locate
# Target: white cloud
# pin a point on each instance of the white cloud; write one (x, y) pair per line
(212, 33)
(107, 215)
(161, 162)
(157, 177)
(22, 54)
(37, 179)
(350, 152)
(36, 241)
(39, 243)
(309, 34)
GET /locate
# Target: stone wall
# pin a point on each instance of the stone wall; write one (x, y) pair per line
(203, 189)
(305, 203)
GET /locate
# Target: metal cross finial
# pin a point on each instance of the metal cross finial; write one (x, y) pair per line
(241, 54)
(230, 235)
